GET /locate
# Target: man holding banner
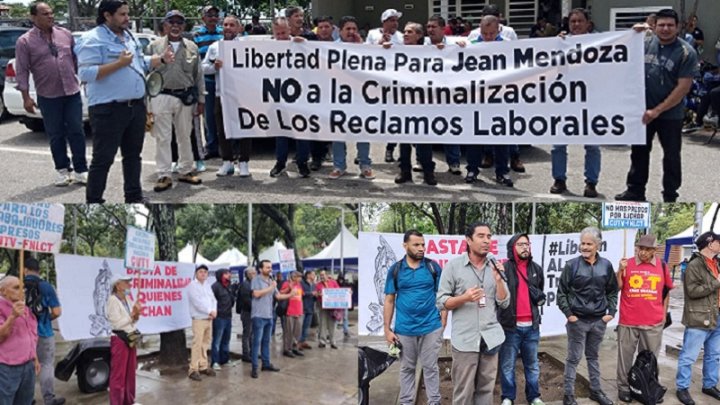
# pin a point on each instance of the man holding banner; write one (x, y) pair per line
(587, 295)
(410, 289)
(473, 286)
(18, 341)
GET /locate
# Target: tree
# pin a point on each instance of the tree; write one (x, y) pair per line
(284, 216)
(173, 345)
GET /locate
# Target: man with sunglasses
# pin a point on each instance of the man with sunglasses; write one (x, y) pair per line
(112, 64)
(46, 52)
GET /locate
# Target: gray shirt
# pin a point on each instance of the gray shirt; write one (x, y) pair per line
(470, 322)
(262, 307)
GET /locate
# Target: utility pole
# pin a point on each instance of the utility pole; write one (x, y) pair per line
(73, 12)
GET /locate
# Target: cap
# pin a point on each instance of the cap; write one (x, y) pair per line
(391, 12)
(173, 13)
(647, 241)
(705, 239)
(207, 9)
(32, 264)
(491, 9)
(119, 277)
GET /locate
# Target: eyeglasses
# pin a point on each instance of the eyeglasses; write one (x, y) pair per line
(523, 244)
(176, 22)
(53, 49)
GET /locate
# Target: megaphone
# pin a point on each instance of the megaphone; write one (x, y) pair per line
(153, 83)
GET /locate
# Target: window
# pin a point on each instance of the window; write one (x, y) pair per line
(625, 18)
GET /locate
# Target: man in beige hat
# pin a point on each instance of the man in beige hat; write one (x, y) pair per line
(644, 282)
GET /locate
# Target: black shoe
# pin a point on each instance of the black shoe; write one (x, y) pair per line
(670, 198)
(356, 161)
(684, 397)
(403, 177)
(277, 170)
(624, 396)
(628, 195)
(429, 179)
(471, 177)
(297, 352)
(303, 170)
(569, 400)
(246, 359)
(517, 165)
(315, 165)
(270, 368)
(558, 187)
(600, 398)
(321, 345)
(713, 392)
(590, 190)
(504, 180)
(417, 168)
(288, 353)
(254, 373)
(333, 346)
(487, 162)
(389, 156)
(195, 376)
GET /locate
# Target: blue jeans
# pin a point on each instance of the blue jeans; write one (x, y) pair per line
(221, 330)
(501, 158)
(693, 340)
(17, 384)
(281, 150)
(524, 341)
(211, 141)
(452, 154)
(63, 125)
(592, 163)
(261, 335)
(339, 151)
(307, 320)
(346, 322)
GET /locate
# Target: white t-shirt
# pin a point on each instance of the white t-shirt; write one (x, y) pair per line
(507, 33)
(375, 35)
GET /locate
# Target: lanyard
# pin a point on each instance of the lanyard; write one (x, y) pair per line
(481, 277)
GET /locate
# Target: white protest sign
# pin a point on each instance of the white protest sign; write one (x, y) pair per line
(139, 249)
(33, 227)
(626, 214)
(83, 286)
(380, 250)
(336, 298)
(287, 260)
(585, 89)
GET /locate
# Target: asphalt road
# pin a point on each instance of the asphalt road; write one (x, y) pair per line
(26, 161)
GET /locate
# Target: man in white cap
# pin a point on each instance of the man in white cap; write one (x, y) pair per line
(389, 31)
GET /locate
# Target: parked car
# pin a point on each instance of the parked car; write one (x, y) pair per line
(13, 98)
(8, 37)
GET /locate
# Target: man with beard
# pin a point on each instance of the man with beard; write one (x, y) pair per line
(264, 289)
(587, 294)
(222, 324)
(182, 97)
(229, 148)
(644, 283)
(521, 321)
(410, 288)
(473, 287)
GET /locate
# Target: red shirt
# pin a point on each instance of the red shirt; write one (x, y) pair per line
(641, 300)
(295, 305)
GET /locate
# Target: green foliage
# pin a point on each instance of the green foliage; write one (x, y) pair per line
(671, 219)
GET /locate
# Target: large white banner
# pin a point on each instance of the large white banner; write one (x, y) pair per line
(380, 250)
(586, 89)
(83, 286)
(34, 227)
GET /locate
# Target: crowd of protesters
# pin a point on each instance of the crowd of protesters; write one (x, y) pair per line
(119, 113)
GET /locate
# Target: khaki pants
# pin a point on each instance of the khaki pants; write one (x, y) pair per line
(169, 113)
(327, 326)
(202, 336)
(630, 338)
(473, 376)
(291, 333)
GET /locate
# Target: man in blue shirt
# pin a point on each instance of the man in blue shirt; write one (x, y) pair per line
(410, 290)
(47, 310)
(111, 63)
(204, 37)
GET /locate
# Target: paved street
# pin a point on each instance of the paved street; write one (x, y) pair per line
(25, 159)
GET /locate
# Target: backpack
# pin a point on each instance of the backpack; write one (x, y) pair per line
(429, 264)
(33, 297)
(643, 379)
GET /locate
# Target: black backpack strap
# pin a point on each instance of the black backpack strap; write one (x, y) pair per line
(395, 268)
(430, 265)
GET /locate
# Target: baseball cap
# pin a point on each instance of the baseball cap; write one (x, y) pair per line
(207, 9)
(119, 277)
(647, 241)
(173, 13)
(391, 12)
(705, 239)
(32, 264)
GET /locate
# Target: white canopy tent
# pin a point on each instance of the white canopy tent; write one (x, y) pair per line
(686, 237)
(231, 257)
(332, 251)
(271, 253)
(186, 256)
